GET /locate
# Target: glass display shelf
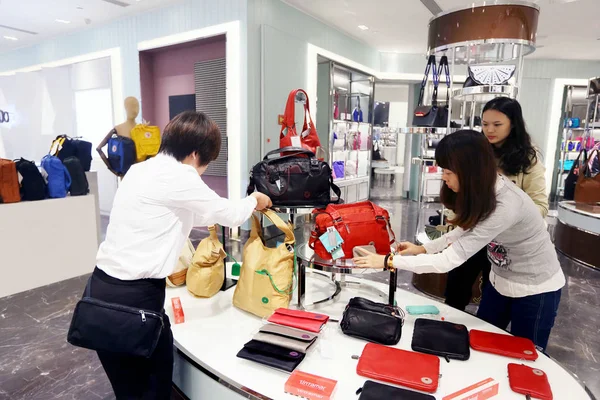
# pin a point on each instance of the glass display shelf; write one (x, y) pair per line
(484, 93)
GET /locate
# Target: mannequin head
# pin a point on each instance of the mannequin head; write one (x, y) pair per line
(132, 108)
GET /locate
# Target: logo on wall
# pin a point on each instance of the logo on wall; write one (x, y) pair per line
(4, 117)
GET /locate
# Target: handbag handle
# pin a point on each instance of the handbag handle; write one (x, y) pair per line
(289, 115)
(295, 150)
(430, 64)
(277, 221)
(445, 68)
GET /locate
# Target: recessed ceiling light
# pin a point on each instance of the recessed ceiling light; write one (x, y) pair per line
(62, 21)
(80, 8)
(363, 27)
(10, 38)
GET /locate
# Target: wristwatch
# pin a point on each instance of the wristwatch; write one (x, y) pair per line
(388, 262)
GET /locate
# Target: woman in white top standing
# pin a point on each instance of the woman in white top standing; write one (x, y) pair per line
(155, 208)
(526, 277)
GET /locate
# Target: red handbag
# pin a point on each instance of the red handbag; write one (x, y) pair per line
(400, 367)
(529, 381)
(308, 138)
(504, 345)
(299, 319)
(359, 224)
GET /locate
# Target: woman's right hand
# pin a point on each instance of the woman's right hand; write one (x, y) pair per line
(410, 249)
(262, 201)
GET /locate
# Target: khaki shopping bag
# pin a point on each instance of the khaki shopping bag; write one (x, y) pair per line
(206, 274)
(266, 279)
(178, 277)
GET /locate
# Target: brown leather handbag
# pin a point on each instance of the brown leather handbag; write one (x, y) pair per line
(588, 184)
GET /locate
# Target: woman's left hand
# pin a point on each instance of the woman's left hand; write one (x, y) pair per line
(369, 260)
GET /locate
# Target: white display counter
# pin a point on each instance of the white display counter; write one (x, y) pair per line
(47, 241)
(206, 366)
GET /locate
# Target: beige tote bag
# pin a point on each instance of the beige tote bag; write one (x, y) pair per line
(177, 278)
(206, 274)
(266, 279)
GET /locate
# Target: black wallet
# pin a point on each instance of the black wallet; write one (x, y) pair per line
(271, 355)
(375, 322)
(378, 391)
(441, 338)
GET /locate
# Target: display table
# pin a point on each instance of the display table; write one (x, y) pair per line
(206, 366)
(577, 233)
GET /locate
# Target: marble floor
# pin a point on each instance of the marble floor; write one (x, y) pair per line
(37, 363)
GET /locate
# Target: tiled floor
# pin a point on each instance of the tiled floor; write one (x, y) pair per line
(37, 363)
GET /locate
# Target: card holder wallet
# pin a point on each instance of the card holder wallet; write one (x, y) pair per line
(286, 331)
(400, 367)
(377, 391)
(529, 381)
(299, 319)
(441, 338)
(503, 345)
(288, 343)
(270, 355)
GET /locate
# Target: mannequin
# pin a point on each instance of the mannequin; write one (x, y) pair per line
(132, 109)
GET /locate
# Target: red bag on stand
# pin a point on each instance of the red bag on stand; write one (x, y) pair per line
(359, 224)
(308, 137)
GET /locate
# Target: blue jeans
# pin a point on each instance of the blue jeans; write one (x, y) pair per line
(530, 317)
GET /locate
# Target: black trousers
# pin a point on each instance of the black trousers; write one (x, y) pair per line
(461, 279)
(137, 377)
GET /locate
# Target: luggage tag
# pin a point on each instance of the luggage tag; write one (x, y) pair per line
(305, 133)
(333, 242)
(296, 141)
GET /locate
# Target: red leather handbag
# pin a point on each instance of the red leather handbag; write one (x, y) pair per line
(504, 345)
(308, 137)
(359, 224)
(400, 367)
(529, 381)
(299, 319)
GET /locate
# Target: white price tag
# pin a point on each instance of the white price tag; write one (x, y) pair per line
(305, 133)
(296, 141)
(278, 183)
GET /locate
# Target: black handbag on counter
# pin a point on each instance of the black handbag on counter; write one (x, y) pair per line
(441, 338)
(296, 178)
(101, 326)
(271, 355)
(378, 391)
(371, 321)
(433, 116)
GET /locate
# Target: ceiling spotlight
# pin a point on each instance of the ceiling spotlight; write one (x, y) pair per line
(10, 38)
(363, 27)
(62, 21)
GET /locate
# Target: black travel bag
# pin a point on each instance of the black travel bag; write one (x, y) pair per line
(441, 338)
(371, 321)
(33, 185)
(79, 182)
(296, 178)
(101, 326)
(378, 391)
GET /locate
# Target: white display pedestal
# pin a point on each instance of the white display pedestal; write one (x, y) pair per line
(47, 241)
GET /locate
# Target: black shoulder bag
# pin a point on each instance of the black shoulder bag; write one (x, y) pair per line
(101, 326)
(375, 322)
(433, 116)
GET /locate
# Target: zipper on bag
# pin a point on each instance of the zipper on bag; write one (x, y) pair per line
(143, 314)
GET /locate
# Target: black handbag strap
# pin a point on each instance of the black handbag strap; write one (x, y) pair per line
(294, 150)
(336, 190)
(88, 288)
(430, 65)
(445, 69)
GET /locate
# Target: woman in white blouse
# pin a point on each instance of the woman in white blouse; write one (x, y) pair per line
(526, 277)
(155, 208)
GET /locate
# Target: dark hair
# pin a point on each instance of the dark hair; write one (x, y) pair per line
(468, 154)
(191, 132)
(517, 154)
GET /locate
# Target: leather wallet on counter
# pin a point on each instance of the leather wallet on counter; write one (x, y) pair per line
(293, 344)
(503, 345)
(270, 355)
(399, 367)
(299, 319)
(378, 391)
(529, 381)
(441, 338)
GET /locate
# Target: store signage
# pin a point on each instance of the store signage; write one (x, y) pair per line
(4, 117)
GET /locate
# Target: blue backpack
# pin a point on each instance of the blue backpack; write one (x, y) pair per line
(121, 153)
(59, 180)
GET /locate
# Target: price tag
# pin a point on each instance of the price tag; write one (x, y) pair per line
(296, 141)
(278, 183)
(305, 133)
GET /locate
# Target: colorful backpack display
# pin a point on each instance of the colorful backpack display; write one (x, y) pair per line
(33, 185)
(9, 182)
(147, 141)
(121, 153)
(59, 180)
(79, 182)
(64, 147)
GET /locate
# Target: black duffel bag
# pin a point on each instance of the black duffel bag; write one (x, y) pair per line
(375, 322)
(296, 178)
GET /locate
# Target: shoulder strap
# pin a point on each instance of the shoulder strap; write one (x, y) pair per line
(445, 69)
(295, 150)
(430, 64)
(282, 226)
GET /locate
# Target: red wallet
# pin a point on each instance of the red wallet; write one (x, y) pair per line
(299, 319)
(405, 368)
(504, 345)
(529, 381)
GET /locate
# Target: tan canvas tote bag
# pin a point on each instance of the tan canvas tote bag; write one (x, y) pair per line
(206, 274)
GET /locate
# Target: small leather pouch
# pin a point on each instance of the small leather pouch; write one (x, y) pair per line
(288, 332)
(375, 322)
(441, 338)
(503, 345)
(529, 381)
(271, 355)
(377, 391)
(286, 342)
(299, 319)
(399, 367)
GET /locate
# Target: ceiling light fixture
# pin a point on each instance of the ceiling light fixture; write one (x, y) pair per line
(62, 21)
(363, 27)
(10, 38)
